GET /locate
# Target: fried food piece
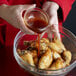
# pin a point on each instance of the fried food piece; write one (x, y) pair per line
(56, 55)
(21, 52)
(27, 57)
(35, 57)
(33, 53)
(67, 56)
(43, 47)
(34, 44)
(46, 60)
(43, 44)
(54, 47)
(27, 43)
(59, 43)
(58, 64)
(35, 60)
(44, 40)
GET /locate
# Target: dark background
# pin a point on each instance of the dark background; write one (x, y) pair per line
(70, 24)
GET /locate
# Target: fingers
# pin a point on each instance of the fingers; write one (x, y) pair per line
(51, 10)
(14, 16)
(52, 5)
(53, 21)
(54, 26)
(55, 31)
(20, 19)
(23, 27)
(45, 6)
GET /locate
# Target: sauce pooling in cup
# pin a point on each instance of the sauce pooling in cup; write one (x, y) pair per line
(37, 25)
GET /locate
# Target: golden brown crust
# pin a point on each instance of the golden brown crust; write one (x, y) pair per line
(34, 53)
(67, 56)
(56, 55)
(28, 58)
(54, 47)
(58, 64)
(59, 43)
(46, 60)
(44, 40)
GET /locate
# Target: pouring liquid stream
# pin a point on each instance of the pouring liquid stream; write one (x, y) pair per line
(38, 45)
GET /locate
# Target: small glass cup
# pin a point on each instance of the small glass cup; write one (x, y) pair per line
(32, 18)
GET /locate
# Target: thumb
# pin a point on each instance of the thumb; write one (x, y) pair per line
(55, 30)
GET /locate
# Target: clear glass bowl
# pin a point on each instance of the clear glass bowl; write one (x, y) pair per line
(69, 40)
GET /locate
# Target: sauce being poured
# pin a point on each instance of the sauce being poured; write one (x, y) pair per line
(38, 45)
(38, 26)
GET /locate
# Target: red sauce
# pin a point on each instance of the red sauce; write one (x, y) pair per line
(37, 25)
(38, 45)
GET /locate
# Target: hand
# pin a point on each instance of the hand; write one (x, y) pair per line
(13, 15)
(51, 9)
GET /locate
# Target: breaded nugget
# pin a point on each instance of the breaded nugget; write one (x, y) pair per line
(27, 57)
(43, 44)
(56, 55)
(46, 60)
(21, 52)
(67, 56)
(33, 53)
(35, 60)
(43, 47)
(34, 44)
(58, 64)
(54, 47)
(59, 43)
(44, 40)
(35, 57)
